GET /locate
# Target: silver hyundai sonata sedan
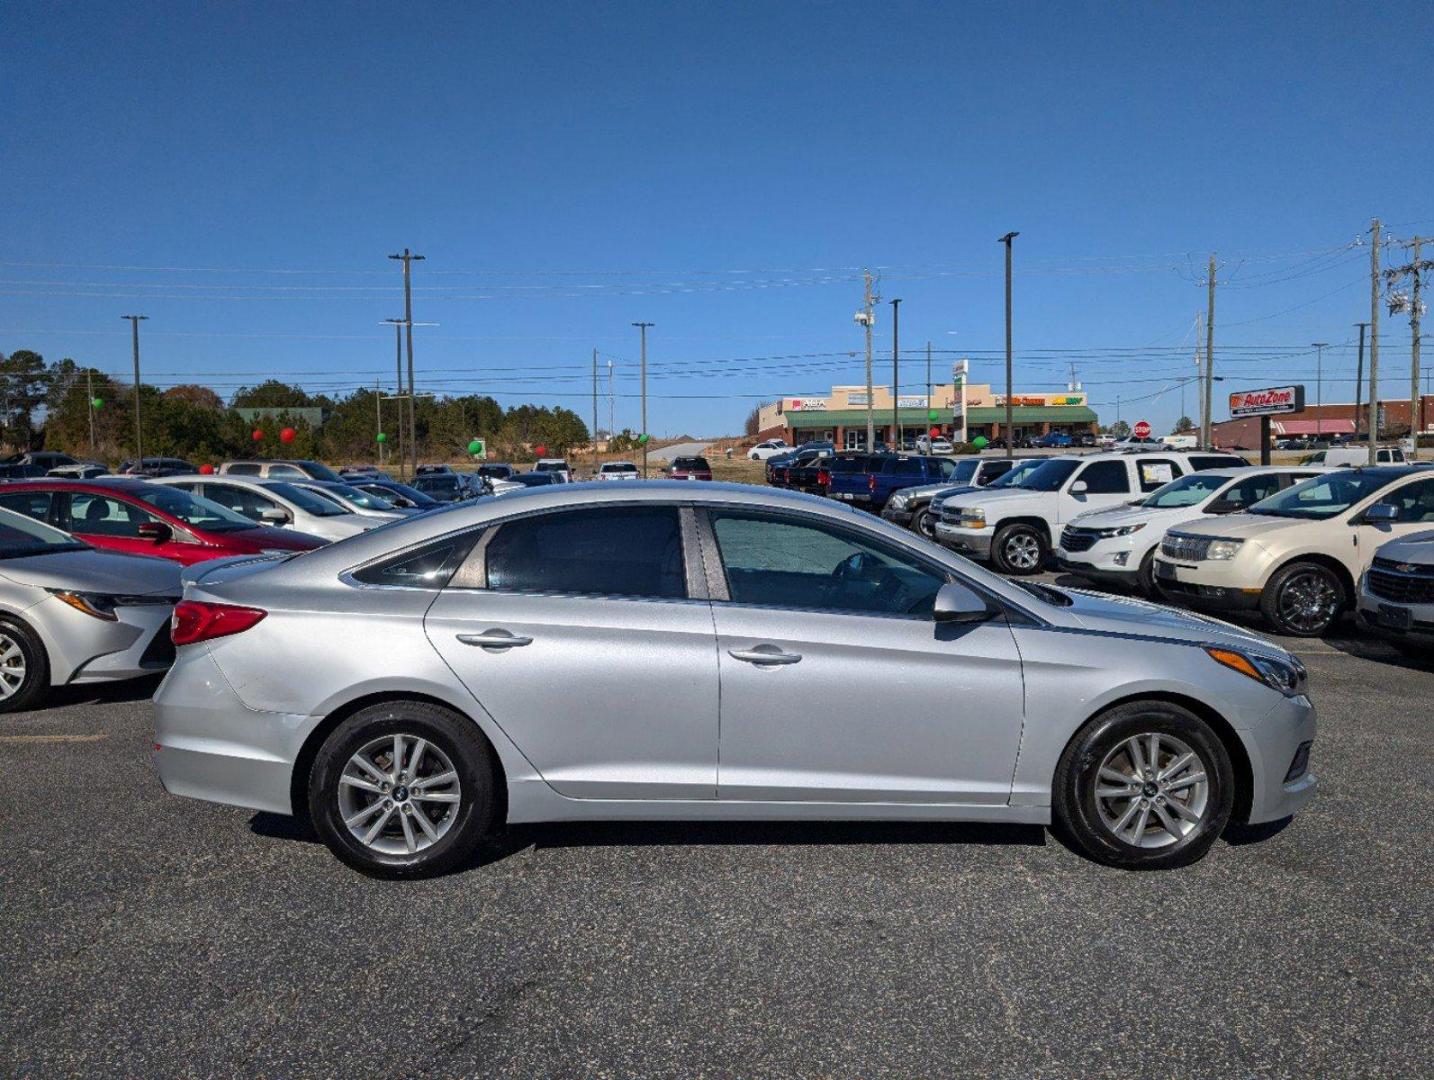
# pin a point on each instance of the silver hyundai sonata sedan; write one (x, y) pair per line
(682, 651)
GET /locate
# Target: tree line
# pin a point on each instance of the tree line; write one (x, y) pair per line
(68, 407)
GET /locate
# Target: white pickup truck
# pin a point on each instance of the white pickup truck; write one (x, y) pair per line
(1015, 528)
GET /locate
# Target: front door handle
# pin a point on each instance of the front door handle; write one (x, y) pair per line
(494, 639)
(764, 655)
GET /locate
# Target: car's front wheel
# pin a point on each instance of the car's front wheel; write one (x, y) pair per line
(1303, 599)
(403, 789)
(1144, 786)
(1019, 549)
(923, 525)
(24, 668)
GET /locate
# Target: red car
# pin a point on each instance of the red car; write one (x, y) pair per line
(690, 468)
(148, 519)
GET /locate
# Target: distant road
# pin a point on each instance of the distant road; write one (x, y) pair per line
(677, 450)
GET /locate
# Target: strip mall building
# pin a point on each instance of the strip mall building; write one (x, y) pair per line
(840, 416)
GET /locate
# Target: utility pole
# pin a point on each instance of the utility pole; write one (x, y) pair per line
(1319, 347)
(1359, 378)
(643, 438)
(1206, 417)
(1373, 340)
(595, 428)
(868, 319)
(378, 419)
(90, 400)
(611, 405)
(928, 378)
(896, 373)
(1010, 413)
(398, 393)
(408, 258)
(134, 321)
(1414, 269)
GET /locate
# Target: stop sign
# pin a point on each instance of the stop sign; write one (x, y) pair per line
(1141, 429)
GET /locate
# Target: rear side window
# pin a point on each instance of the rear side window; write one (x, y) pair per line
(35, 504)
(428, 567)
(903, 467)
(629, 551)
(1105, 478)
(1252, 489)
(287, 470)
(1155, 472)
(993, 470)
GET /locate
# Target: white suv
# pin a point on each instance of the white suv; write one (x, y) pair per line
(1117, 546)
(1016, 527)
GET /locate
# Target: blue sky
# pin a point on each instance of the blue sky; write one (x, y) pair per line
(239, 173)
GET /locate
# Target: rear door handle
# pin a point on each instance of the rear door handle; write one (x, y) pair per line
(494, 639)
(764, 655)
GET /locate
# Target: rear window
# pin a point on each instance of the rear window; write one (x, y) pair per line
(242, 469)
(631, 551)
(691, 463)
(551, 466)
(849, 464)
(1214, 461)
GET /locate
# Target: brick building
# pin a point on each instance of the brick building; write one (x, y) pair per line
(1332, 418)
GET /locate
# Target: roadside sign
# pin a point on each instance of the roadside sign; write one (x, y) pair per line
(1141, 429)
(1269, 401)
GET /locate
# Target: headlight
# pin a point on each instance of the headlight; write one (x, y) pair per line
(899, 501)
(973, 519)
(1123, 530)
(96, 605)
(1223, 549)
(1286, 675)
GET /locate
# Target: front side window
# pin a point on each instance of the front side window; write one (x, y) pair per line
(193, 510)
(776, 561)
(1326, 495)
(1049, 475)
(307, 501)
(627, 551)
(965, 471)
(1105, 478)
(1415, 502)
(1249, 491)
(100, 515)
(240, 500)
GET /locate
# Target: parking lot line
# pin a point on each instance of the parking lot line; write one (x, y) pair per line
(52, 738)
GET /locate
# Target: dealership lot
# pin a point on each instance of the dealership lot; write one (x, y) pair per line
(148, 934)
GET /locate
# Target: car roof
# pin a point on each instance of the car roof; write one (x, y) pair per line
(98, 485)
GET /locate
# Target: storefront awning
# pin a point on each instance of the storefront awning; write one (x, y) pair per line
(1313, 427)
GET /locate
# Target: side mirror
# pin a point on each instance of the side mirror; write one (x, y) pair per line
(274, 516)
(1381, 512)
(157, 531)
(956, 603)
(1223, 506)
(1080, 487)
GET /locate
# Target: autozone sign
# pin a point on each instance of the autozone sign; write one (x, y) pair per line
(1267, 402)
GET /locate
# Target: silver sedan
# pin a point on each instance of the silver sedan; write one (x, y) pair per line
(683, 651)
(71, 614)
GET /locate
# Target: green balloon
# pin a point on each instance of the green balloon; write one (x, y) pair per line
(642, 438)
(932, 414)
(382, 437)
(98, 402)
(980, 442)
(476, 446)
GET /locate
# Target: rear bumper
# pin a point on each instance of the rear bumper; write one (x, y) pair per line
(209, 745)
(1273, 744)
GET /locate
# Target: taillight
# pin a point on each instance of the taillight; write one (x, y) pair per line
(871, 482)
(196, 621)
(824, 478)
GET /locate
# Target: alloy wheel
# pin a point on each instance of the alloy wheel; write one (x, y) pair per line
(12, 666)
(1152, 790)
(1023, 551)
(399, 794)
(1308, 602)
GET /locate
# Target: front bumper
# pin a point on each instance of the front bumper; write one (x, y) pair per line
(900, 517)
(973, 543)
(1412, 623)
(1217, 585)
(209, 745)
(1274, 743)
(83, 649)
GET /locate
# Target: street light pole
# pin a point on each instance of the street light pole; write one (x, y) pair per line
(134, 321)
(642, 329)
(1010, 412)
(896, 374)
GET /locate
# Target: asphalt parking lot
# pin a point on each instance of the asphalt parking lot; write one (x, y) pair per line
(150, 935)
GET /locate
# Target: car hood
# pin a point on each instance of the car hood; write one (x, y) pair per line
(920, 490)
(1249, 526)
(980, 496)
(1115, 516)
(1417, 548)
(95, 571)
(266, 536)
(1125, 615)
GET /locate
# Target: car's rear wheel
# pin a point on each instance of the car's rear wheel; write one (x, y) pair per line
(1303, 599)
(1145, 786)
(403, 789)
(24, 668)
(1019, 549)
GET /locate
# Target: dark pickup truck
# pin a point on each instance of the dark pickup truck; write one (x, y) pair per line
(793, 472)
(884, 474)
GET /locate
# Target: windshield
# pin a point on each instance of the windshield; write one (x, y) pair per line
(21, 536)
(361, 498)
(1187, 491)
(306, 501)
(195, 510)
(1048, 475)
(412, 494)
(1327, 495)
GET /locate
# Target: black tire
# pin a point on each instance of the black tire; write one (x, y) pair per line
(35, 683)
(1020, 550)
(1145, 577)
(922, 525)
(1078, 811)
(455, 737)
(1280, 601)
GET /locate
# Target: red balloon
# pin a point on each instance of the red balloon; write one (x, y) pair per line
(206, 470)
(257, 435)
(541, 450)
(287, 435)
(935, 432)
